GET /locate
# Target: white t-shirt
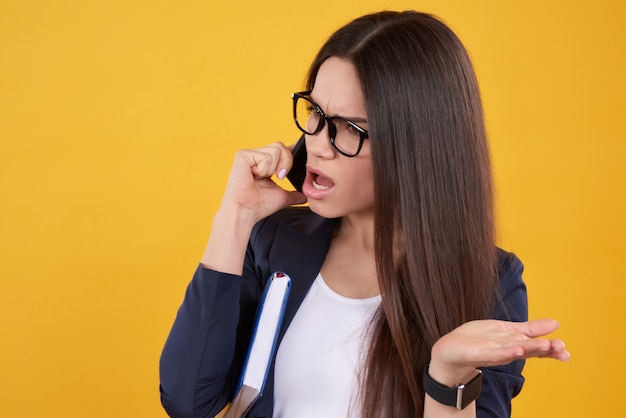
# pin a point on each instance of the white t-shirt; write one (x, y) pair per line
(320, 355)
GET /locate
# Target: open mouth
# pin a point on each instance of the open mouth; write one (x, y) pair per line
(316, 184)
(321, 182)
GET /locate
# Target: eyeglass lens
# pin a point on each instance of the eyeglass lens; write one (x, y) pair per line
(308, 117)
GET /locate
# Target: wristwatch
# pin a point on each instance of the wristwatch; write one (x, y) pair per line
(460, 396)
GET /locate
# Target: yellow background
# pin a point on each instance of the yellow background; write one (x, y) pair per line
(118, 123)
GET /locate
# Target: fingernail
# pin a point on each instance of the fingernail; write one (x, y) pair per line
(282, 173)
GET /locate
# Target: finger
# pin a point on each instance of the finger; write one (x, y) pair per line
(506, 354)
(541, 348)
(284, 160)
(563, 355)
(558, 351)
(557, 355)
(541, 327)
(534, 347)
(535, 328)
(501, 355)
(557, 345)
(296, 198)
(264, 162)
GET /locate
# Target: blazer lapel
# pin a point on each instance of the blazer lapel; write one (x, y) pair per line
(299, 250)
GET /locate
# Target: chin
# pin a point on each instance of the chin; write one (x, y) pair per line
(330, 211)
(325, 210)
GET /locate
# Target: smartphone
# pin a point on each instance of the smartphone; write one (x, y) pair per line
(298, 170)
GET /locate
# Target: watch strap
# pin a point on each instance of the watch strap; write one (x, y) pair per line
(458, 397)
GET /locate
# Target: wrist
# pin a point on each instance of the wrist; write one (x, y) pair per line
(448, 375)
(236, 216)
(458, 396)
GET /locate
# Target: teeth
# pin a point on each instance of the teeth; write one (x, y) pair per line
(319, 186)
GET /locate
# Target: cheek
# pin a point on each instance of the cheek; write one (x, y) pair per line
(362, 183)
(366, 172)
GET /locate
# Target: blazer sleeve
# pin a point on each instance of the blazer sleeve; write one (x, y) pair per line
(204, 353)
(502, 383)
(196, 362)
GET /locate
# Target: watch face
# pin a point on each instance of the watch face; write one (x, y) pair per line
(470, 391)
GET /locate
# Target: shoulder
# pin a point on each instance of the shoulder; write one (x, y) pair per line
(512, 300)
(508, 263)
(509, 270)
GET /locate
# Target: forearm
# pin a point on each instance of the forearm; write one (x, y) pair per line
(226, 248)
(433, 409)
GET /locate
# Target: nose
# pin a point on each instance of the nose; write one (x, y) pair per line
(319, 144)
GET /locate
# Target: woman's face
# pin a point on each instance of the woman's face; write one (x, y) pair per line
(336, 185)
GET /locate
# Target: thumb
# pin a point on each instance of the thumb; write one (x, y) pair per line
(535, 328)
(295, 198)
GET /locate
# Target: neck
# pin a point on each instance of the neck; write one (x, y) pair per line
(358, 230)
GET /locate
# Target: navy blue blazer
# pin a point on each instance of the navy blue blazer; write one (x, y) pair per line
(205, 350)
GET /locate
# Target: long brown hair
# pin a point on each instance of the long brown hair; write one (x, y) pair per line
(434, 228)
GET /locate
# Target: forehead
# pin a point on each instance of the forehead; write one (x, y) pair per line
(338, 88)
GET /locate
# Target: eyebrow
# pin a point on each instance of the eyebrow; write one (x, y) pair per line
(355, 119)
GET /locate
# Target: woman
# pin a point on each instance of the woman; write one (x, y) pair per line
(399, 293)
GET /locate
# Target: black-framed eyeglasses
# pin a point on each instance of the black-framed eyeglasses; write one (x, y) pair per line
(344, 135)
